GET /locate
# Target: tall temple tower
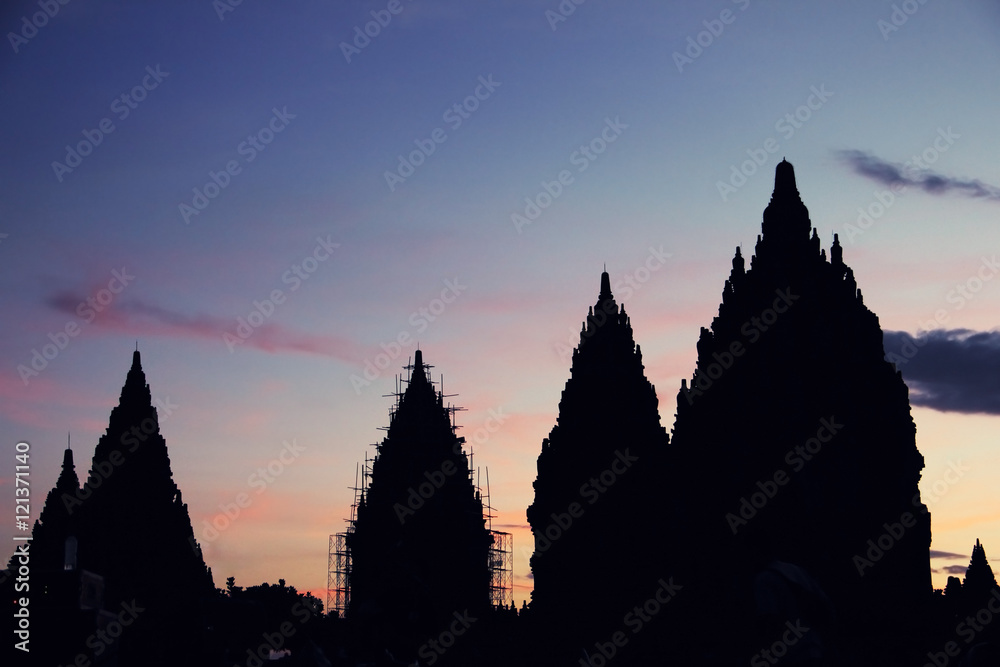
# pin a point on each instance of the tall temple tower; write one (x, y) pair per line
(134, 532)
(597, 515)
(419, 544)
(797, 440)
(119, 554)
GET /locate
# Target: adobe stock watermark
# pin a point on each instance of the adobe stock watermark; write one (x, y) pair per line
(563, 11)
(433, 649)
(581, 158)
(879, 546)
(787, 126)
(884, 199)
(362, 38)
(625, 287)
(635, 621)
(591, 491)
(103, 639)
(454, 116)
(250, 148)
(258, 480)
(697, 44)
(38, 20)
(796, 457)
(939, 489)
(774, 653)
(87, 310)
(963, 293)
(223, 7)
(752, 329)
(295, 276)
(967, 290)
(419, 320)
(122, 106)
(132, 439)
(901, 13)
(418, 496)
(968, 629)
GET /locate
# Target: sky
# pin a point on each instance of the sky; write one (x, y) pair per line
(280, 201)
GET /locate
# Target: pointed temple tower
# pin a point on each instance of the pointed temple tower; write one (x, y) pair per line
(979, 579)
(138, 533)
(795, 437)
(419, 545)
(56, 532)
(65, 600)
(598, 504)
(119, 553)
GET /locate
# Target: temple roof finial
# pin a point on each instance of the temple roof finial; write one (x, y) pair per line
(784, 178)
(605, 285)
(786, 219)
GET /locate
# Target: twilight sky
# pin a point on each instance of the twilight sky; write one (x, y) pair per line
(459, 179)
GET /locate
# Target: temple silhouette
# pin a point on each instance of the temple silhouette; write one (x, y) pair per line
(597, 504)
(804, 436)
(419, 544)
(118, 553)
(780, 521)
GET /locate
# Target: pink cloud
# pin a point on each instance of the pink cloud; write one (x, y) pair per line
(140, 318)
(31, 406)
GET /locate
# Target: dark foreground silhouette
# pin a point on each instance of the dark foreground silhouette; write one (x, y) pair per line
(780, 523)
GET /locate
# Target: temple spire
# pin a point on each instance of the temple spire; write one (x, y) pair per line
(786, 218)
(979, 578)
(784, 179)
(836, 252)
(738, 264)
(418, 373)
(605, 285)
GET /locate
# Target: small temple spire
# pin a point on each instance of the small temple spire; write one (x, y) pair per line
(418, 373)
(738, 262)
(979, 578)
(786, 217)
(836, 252)
(605, 285)
(784, 178)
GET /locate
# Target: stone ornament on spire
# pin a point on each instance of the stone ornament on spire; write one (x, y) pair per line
(786, 218)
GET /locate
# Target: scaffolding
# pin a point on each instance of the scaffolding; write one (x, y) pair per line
(339, 562)
(501, 554)
(338, 594)
(501, 551)
(501, 569)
